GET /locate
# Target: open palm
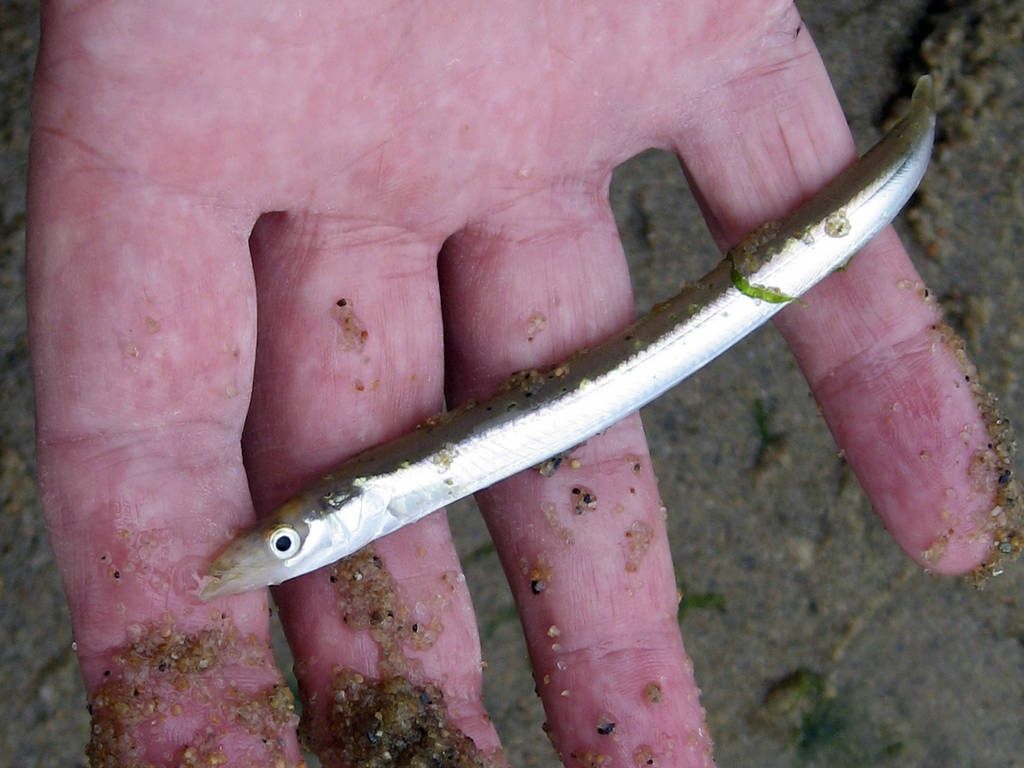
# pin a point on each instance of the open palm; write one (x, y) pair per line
(265, 236)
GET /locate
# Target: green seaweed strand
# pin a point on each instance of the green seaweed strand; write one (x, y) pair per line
(755, 291)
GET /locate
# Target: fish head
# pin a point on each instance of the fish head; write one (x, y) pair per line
(283, 546)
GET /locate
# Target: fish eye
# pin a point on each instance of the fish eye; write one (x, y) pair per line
(284, 542)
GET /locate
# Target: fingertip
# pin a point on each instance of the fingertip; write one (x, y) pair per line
(924, 438)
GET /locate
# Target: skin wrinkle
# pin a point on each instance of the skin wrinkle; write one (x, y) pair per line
(104, 164)
(928, 499)
(797, 133)
(620, 635)
(877, 366)
(876, 361)
(110, 169)
(498, 220)
(125, 438)
(743, 204)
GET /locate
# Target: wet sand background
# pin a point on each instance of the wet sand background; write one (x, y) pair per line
(815, 641)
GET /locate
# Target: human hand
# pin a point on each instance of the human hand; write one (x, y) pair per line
(159, 143)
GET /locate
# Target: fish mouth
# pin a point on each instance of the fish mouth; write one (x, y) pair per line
(219, 582)
(222, 586)
(229, 574)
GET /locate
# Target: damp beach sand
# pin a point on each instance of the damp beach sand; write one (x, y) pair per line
(815, 641)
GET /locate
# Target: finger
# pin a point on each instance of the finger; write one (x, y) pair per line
(142, 328)
(585, 550)
(350, 355)
(890, 382)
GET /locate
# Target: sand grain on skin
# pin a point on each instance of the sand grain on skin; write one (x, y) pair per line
(168, 682)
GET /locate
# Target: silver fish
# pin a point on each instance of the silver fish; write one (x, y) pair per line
(537, 415)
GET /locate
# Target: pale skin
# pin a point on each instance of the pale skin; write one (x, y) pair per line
(483, 132)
